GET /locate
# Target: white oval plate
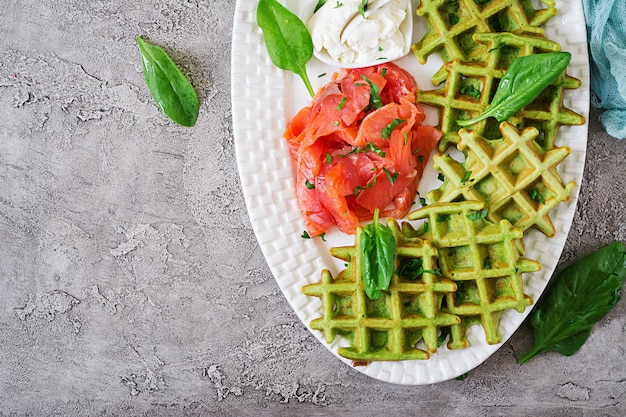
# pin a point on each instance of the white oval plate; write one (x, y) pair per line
(264, 98)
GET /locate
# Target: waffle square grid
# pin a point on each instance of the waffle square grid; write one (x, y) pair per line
(389, 328)
(513, 176)
(486, 261)
(469, 87)
(452, 24)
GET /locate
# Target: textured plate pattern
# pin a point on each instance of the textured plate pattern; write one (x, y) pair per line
(263, 98)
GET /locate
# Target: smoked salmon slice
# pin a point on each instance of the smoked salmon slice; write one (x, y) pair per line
(359, 146)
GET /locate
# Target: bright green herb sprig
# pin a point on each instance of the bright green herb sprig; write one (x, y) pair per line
(169, 87)
(582, 294)
(386, 133)
(375, 101)
(471, 90)
(536, 195)
(391, 177)
(287, 39)
(478, 215)
(523, 81)
(319, 4)
(363, 8)
(378, 255)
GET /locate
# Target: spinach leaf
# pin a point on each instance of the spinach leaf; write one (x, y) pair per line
(171, 90)
(523, 81)
(581, 295)
(287, 39)
(378, 256)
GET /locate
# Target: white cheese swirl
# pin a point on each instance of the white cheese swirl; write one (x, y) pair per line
(351, 37)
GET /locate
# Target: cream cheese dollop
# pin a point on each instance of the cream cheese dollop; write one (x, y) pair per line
(348, 36)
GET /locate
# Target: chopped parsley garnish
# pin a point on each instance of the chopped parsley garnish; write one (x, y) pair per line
(309, 185)
(329, 158)
(384, 71)
(441, 177)
(414, 268)
(370, 147)
(471, 91)
(535, 195)
(338, 5)
(391, 177)
(358, 188)
(404, 138)
(375, 101)
(443, 217)
(321, 75)
(411, 269)
(453, 8)
(306, 235)
(466, 177)
(363, 8)
(373, 148)
(342, 104)
(477, 215)
(420, 158)
(354, 150)
(386, 133)
(336, 123)
(423, 228)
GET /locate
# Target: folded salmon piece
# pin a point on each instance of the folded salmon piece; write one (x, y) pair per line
(359, 146)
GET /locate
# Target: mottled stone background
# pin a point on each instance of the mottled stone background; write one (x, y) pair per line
(131, 282)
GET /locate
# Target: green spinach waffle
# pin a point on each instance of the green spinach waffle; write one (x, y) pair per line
(469, 271)
(469, 86)
(387, 329)
(514, 177)
(452, 24)
(485, 260)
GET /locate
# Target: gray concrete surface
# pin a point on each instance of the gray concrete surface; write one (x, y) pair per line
(130, 279)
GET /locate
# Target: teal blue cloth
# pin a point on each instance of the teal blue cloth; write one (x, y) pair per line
(606, 32)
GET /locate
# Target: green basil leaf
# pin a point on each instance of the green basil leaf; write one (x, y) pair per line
(287, 39)
(378, 256)
(523, 81)
(171, 90)
(582, 294)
